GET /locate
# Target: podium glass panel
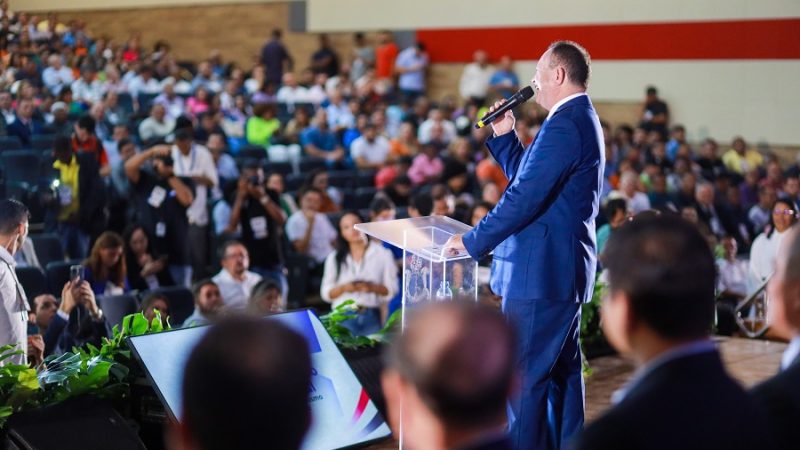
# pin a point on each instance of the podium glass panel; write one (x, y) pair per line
(428, 274)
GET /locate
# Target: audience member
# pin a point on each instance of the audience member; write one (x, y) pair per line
(291, 92)
(208, 304)
(105, 269)
(655, 113)
(265, 298)
(331, 196)
(275, 58)
(258, 211)
(361, 271)
(426, 167)
(740, 159)
(504, 82)
(765, 246)
(235, 281)
(44, 308)
(261, 362)
(616, 212)
(79, 200)
(759, 215)
(78, 321)
(320, 142)
(448, 377)
(370, 151)
(628, 190)
(14, 315)
(779, 397)
(56, 76)
(25, 125)
(310, 231)
(162, 200)
(411, 65)
(474, 84)
(157, 126)
(155, 302)
(263, 125)
(658, 311)
(146, 269)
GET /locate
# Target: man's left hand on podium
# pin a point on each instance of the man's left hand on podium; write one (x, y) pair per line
(454, 246)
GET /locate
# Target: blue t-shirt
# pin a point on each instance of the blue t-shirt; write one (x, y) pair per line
(411, 81)
(500, 77)
(323, 140)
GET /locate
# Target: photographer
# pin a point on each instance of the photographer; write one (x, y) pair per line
(258, 211)
(161, 203)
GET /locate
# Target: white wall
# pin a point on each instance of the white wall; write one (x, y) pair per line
(759, 100)
(346, 15)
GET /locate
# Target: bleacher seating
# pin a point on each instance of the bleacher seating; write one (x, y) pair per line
(33, 281)
(48, 248)
(116, 307)
(10, 143)
(58, 274)
(21, 165)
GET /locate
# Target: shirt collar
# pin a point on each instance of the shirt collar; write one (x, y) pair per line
(690, 349)
(791, 353)
(6, 257)
(561, 103)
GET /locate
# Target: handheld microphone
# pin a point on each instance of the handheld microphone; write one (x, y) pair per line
(522, 96)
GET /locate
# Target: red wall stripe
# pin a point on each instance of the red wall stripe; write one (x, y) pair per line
(751, 39)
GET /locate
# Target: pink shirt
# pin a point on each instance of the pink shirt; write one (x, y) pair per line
(422, 168)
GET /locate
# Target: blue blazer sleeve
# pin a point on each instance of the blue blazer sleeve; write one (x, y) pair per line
(507, 151)
(542, 174)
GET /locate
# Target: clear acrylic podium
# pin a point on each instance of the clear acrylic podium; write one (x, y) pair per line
(428, 274)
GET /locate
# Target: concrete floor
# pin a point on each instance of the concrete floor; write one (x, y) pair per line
(749, 361)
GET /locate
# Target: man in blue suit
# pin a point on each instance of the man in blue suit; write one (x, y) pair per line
(543, 235)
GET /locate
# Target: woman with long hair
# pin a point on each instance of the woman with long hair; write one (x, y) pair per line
(146, 269)
(362, 271)
(765, 247)
(105, 269)
(331, 197)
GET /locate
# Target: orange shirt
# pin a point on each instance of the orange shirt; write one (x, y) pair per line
(384, 60)
(488, 170)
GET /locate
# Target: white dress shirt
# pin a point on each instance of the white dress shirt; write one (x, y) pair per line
(322, 235)
(762, 258)
(198, 162)
(375, 152)
(14, 313)
(561, 102)
(376, 266)
(235, 293)
(475, 81)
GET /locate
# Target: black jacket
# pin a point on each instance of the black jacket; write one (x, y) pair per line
(92, 192)
(779, 399)
(688, 403)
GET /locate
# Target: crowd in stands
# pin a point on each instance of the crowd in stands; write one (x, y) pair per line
(155, 173)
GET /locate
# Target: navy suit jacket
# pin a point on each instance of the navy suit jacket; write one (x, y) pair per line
(542, 230)
(24, 132)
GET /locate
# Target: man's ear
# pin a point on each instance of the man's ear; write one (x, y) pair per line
(561, 75)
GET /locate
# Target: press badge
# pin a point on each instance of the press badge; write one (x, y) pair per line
(157, 196)
(161, 229)
(259, 227)
(64, 195)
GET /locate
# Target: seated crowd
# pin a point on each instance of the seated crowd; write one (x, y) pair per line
(145, 169)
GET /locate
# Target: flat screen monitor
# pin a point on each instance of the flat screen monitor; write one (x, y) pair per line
(342, 413)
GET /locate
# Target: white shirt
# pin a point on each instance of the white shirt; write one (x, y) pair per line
(475, 80)
(376, 266)
(288, 94)
(732, 276)
(151, 128)
(791, 353)
(375, 152)
(235, 293)
(139, 86)
(561, 102)
(14, 312)
(91, 92)
(448, 131)
(198, 162)
(57, 79)
(322, 235)
(762, 258)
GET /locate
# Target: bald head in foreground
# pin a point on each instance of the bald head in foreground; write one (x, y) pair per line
(779, 397)
(452, 370)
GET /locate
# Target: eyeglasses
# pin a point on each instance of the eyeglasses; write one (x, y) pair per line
(785, 212)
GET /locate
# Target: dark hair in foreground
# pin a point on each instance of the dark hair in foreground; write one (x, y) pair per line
(12, 213)
(663, 264)
(575, 60)
(258, 368)
(467, 383)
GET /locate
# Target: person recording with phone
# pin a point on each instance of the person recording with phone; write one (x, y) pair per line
(161, 203)
(78, 320)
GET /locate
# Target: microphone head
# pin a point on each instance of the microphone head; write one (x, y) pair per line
(525, 93)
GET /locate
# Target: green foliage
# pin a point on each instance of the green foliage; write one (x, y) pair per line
(103, 372)
(343, 337)
(591, 333)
